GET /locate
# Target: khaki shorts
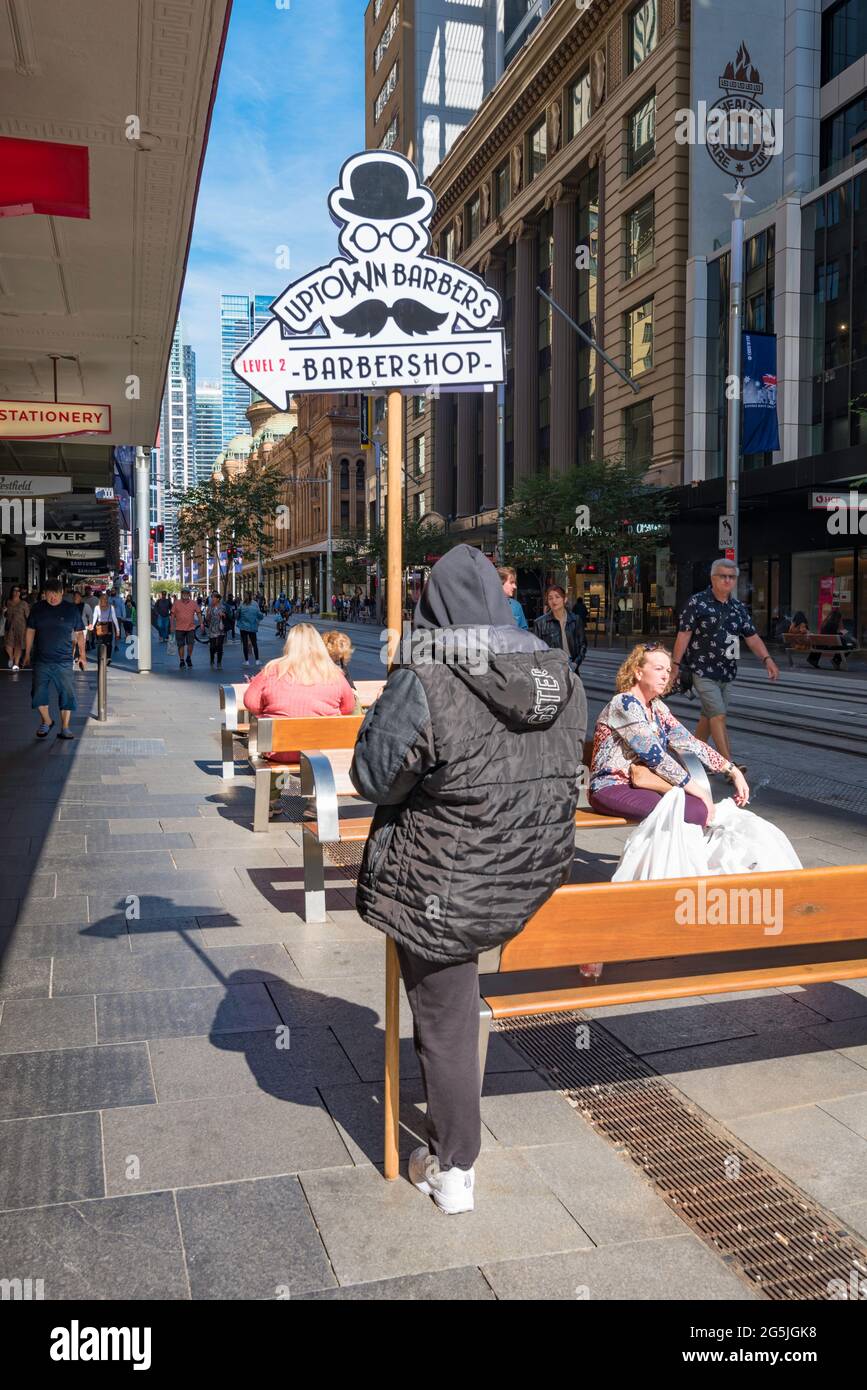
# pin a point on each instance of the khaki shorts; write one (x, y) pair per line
(713, 695)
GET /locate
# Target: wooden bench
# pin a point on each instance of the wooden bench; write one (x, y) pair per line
(651, 955)
(820, 643)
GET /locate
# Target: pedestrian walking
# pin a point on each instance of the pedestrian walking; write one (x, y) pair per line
(118, 603)
(15, 615)
(54, 628)
(213, 622)
(104, 626)
(472, 764)
(561, 629)
(509, 581)
(184, 620)
(163, 613)
(708, 646)
(230, 615)
(250, 616)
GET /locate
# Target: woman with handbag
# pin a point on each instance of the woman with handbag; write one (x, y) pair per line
(632, 766)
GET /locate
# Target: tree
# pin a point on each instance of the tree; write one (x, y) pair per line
(238, 509)
(589, 515)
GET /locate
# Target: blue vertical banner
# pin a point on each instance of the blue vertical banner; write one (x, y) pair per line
(761, 432)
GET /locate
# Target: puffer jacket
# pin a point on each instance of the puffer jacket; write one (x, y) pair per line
(471, 754)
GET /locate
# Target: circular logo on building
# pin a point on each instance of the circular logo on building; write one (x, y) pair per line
(741, 136)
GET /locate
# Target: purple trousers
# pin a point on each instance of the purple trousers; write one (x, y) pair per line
(637, 803)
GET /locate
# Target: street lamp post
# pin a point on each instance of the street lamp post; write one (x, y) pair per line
(329, 569)
(733, 385)
(142, 567)
(501, 473)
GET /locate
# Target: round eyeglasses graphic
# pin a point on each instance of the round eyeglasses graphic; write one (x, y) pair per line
(366, 238)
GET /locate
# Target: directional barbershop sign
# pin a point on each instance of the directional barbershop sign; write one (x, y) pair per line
(384, 313)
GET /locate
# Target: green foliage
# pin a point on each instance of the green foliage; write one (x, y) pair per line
(238, 508)
(418, 540)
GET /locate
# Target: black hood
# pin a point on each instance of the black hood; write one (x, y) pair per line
(464, 590)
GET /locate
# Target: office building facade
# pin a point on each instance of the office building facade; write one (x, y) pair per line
(241, 315)
(176, 468)
(209, 427)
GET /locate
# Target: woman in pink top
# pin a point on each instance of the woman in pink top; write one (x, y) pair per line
(301, 683)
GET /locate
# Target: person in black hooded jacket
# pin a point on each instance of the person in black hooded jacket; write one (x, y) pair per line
(471, 755)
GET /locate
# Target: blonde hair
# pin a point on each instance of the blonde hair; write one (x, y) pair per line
(305, 659)
(338, 646)
(628, 673)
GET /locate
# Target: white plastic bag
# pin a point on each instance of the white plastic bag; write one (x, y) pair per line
(741, 842)
(663, 845)
(738, 842)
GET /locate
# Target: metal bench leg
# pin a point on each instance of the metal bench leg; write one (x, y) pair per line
(485, 1017)
(314, 878)
(262, 802)
(228, 752)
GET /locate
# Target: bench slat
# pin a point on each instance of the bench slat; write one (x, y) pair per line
(338, 731)
(639, 991)
(636, 921)
(357, 828)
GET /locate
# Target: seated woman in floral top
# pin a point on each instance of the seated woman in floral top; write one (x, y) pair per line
(636, 727)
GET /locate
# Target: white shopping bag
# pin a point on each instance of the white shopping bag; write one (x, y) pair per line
(663, 845)
(740, 842)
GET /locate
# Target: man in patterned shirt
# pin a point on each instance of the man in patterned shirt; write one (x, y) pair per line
(708, 643)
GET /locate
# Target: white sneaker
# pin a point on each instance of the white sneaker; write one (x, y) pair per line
(15, 668)
(246, 663)
(452, 1191)
(258, 662)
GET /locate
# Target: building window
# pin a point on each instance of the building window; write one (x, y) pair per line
(387, 36)
(639, 238)
(641, 123)
(360, 474)
(843, 138)
(390, 137)
(639, 338)
(359, 515)
(537, 150)
(377, 8)
(844, 37)
(344, 475)
(418, 506)
(472, 223)
(447, 244)
(344, 516)
(418, 452)
(643, 33)
(385, 92)
(579, 104)
(638, 433)
(502, 186)
(419, 404)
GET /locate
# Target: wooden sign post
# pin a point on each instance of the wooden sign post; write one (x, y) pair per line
(394, 618)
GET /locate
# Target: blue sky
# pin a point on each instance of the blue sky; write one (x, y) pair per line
(289, 110)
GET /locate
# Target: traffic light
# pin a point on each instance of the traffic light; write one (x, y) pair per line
(161, 535)
(153, 534)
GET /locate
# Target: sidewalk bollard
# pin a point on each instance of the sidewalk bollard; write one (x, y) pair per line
(102, 683)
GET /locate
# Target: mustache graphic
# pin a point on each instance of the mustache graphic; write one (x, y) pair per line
(368, 319)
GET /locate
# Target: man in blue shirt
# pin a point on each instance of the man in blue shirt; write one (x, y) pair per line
(54, 628)
(708, 643)
(509, 580)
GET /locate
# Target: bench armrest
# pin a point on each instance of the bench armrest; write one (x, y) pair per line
(695, 768)
(317, 781)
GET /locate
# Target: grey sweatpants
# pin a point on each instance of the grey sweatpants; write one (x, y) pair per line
(445, 1009)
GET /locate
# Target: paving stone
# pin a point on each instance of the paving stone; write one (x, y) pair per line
(31, 1024)
(357, 1003)
(855, 1216)
(189, 1143)
(251, 930)
(850, 1111)
(32, 942)
(172, 1013)
(671, 1269)
(158, 936)
(86, 1078)
(66, 909)
(846, 999)
(446, 1286)
(28, 882)
(114, 1248)
(847, 1036)
(699, 1021)
(100, 842)
(173, 967)
(374, 1229)
(365, 1045)
(519, 1108)
(62, 843)
(814, 1149)
(358, 1110)
(57, 1158)
(339, 958)
(252, 1240)
(191, 1068)
(24, 978)
(769, 1071)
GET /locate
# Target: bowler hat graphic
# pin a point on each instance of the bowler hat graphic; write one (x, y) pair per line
(380, 191)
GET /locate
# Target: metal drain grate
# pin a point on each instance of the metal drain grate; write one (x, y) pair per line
(104, 745)
(770, 1232)
(347, 855)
